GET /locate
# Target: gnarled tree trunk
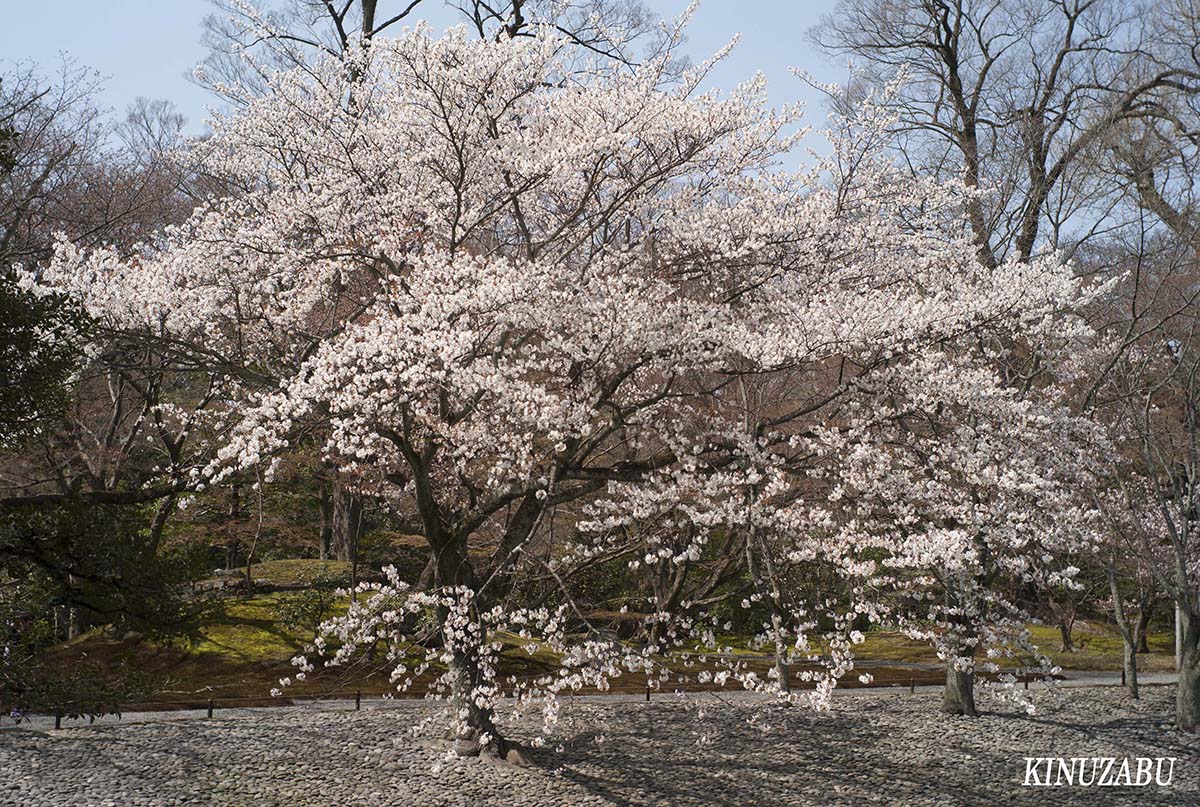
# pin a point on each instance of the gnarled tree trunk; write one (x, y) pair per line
(1065, 626)
(452, 568)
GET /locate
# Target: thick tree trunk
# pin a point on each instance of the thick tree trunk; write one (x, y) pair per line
(452, 569)
(347, 523)
(477, 732)
(782, 674)
(958, 698)
(1129, 666)
(1143, 627)
(1187, 703)
(1187, 706)
(477, 735)
(1065, 626)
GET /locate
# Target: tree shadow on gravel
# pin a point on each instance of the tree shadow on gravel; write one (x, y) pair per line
(652, 758)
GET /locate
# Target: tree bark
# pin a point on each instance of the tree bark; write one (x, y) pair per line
(1128, 638)
(782, 674)
(1064, 628)
(1129, 666)
(958, 698)
(1142, 628)
(477, 735)
(1187, 706)
(1188, 696)
(347, 523)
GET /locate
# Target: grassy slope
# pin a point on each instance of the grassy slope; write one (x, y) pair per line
(247, 631)
(1098, 648)
(302, 571)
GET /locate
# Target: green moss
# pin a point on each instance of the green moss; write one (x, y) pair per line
(1099, 647)
(302, 570)
(892, 646)
(248, 630)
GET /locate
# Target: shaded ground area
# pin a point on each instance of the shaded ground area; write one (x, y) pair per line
(875, 748)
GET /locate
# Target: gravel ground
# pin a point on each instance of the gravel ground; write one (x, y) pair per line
(874, 748)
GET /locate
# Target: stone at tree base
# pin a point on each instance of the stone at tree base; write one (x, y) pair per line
(467, 747)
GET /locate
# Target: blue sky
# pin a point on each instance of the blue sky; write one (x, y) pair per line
(149, 47)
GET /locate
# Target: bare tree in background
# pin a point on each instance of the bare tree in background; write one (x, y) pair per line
(1159, 154)
(621, 30)
(107, 428)
(1156, 401)
(64, 174)
(1016, 97)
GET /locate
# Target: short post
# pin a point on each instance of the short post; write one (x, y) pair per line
(357, 700)
(210, 707)
(1026, 677)
(912, 686)
(647, 690)
(58, 720)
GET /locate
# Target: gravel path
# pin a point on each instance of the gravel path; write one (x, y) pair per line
(875, 748)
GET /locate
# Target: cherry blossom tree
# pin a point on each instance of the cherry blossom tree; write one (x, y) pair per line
(248, 40)
(515, 297)
(949, 488)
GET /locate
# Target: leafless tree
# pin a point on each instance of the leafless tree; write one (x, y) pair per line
(1159, 155)
(1148, 393)
(285, 35)
(1016, 97)
(94, 429)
